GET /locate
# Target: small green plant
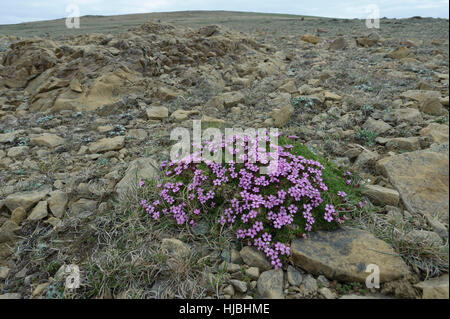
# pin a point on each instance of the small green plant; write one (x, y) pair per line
(364, 87)
(442, 120)
(367, 136)
(23, 141)
(44, 119)
(367, 109)
(118, 130)
(102, 161)
(301, 100)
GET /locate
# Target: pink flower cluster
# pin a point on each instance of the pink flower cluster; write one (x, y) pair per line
(259, 205)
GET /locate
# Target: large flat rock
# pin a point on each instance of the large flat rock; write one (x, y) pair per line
(345, 253)
(421, 178)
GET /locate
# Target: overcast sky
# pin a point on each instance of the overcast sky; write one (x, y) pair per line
(16, 11)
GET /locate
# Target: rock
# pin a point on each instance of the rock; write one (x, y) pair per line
(407, 115)
(240, 286)
(75, 85)
(7, 137)
(105, 128)
(47, 140)
(338, 44)
(308, 285)
(323, 281)
(344, 254)
(230, 267)
(417, 236)
(381, 195)
(426, 191)
(138, 134)
(140, 169)
(403, 143)
(432, 106)
(4, 271)
(235, 257)
(332, 96)
(255, 258)
(399, 53)
(107, 144)
(288, 87)
(366, 159)
(55, 222)
(39, 212)
(157, 112)
(279, 99)
(182, 115)
(18, 151)
(310, 38)
(83, 205)
(25, 199)
(376, 126)
(18, 215)
(8, 231)
(282, 116)
(327, 293)
(212, 120)
(420, 95)
(167, 94)
(439, 133)
(424, 86)
(58, 203)
(294, 276)
(270, 284)
(438, 227)
(252, 272)
(231, 99)
(366, 42)
(229, 290)
(436, 288)
(175, 248)
(40, 289)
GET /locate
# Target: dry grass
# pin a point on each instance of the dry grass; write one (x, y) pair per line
(426, 258)
(118, 252)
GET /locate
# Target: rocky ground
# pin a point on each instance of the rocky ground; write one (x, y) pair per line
(81, 115)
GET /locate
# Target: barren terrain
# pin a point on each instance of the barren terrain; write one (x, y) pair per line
(85, 113)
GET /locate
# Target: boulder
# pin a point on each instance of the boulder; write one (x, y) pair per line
(344, 254)
(426, 191)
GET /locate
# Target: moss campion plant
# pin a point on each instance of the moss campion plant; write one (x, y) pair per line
(299, 195)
